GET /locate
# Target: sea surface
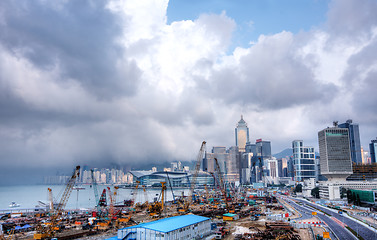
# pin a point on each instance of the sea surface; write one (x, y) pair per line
(28, 196)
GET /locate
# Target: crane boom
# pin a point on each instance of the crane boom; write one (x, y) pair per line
(171, 188)
(68, 189)
(48, 233)
(195, 175)
(94, 183)
(50, 198)
(134, 198)
(223, 191)
(111, 197)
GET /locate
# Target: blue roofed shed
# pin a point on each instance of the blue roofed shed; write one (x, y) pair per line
(179, 227)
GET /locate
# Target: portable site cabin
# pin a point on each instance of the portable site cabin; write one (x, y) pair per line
(179, 227)
(230, 217)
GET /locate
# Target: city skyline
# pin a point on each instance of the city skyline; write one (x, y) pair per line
(133, 82)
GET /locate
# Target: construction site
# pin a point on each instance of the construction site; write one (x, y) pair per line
(221, 211)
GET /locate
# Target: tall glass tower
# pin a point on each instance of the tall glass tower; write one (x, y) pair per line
(303, 160)
(373, 151)
(354, 138)
(241, 134)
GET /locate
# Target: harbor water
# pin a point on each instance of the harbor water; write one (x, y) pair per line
(29, 196)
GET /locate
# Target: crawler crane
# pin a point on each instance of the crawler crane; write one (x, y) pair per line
(221, 182)
(49, 231)
(190, 197)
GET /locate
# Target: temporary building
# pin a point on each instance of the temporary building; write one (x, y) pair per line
(230, 217)
(179, 227)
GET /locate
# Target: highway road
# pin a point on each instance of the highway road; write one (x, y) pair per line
(337, 221)
(306, 212)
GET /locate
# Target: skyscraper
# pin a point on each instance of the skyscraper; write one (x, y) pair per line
(373, 151)
(354, 140)
(303, 160)
(241, 134)
(228, 160)
(335, 154)
(263, 148)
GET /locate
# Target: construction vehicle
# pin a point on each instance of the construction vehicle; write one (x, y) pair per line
(156, 208)
(49, 231)
(123, 219)
(10, 235)
(190, 197)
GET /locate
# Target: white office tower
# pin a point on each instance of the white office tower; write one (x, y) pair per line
(335, 153)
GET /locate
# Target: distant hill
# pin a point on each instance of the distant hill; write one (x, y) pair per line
(284, 153)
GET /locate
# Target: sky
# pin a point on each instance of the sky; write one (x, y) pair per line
(129, 83)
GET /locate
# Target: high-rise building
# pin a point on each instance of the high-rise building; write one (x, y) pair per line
(373, 151)
(241, 134)
(233, 164)
(290, 168)
(280, 167)
(263, 148)
(251, 148)
(303, 160)
(335, 153)
(354, 140)
(228, 160)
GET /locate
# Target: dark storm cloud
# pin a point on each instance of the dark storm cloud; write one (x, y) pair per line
(78, 37)
(72, 92)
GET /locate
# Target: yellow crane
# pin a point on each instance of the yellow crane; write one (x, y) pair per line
(49, 232)
(157, 208)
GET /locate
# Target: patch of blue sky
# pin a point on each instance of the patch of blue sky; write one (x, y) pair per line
(255, 17)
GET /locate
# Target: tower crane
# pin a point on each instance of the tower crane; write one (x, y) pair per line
(43, 233)
(195, 175)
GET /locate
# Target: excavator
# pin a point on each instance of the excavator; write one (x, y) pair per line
(156, 208)
(49, 231)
